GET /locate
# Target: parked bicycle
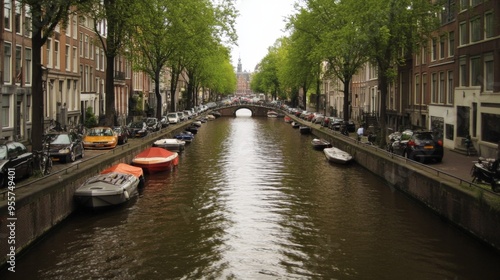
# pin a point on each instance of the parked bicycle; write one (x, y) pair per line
(43, 161)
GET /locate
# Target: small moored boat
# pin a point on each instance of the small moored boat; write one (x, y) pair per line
(272, 114)
(304, 129)
(320, 144)
(156, 159)
(295, 124)
(185, 136)
(115, 185)
(336, 155)
(287, 119)
(171, 144)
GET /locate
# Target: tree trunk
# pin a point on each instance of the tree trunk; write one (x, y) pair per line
(37, 94)
(318, 94)
(159, 105)
(383, 85)
(109, 120)
(347, 81)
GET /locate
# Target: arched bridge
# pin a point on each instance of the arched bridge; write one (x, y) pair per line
(256, 109)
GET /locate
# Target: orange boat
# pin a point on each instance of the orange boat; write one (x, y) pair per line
(156, 159)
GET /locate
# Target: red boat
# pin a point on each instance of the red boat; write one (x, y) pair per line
(156, 159)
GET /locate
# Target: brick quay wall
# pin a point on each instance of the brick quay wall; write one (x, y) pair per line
(43, 204)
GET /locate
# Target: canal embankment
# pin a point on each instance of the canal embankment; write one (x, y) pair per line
(33, 208)
(471, 208)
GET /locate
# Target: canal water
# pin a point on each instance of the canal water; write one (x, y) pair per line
(251, 199)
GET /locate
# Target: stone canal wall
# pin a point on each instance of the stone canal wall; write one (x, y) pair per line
(474, 210)
(44, 203)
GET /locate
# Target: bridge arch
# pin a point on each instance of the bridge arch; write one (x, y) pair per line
(257, 110)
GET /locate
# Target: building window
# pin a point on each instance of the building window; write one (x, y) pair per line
(19, 64)
(56, 54)
(75, 26)
(28, 65)
(418, 90)
(49, 53)
(28, 108)
(451, 88)
(476, 2)
(464, 4)
(489, 72)
(87, 78)
(75, 60)
(7, 62)
(7, 10)
(463, 73)
(490, 129)
(475, 29)
(451, 44)
(81, 44)
(5, 110)
(434, 88)
(463, 33)
(91, 49)
(441, 46)
(442, 83)
(86, 46)
(97, 58)
(475, 71)
(18, 19)
(434, 49)
(81, 78)
(488, 25)
(67, 56)
(27, 22)
(424, 89)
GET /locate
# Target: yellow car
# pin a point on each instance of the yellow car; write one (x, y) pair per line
(101, 137)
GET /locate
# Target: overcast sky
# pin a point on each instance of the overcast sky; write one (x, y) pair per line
(259, 24)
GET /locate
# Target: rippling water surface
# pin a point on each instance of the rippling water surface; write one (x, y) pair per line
(252, 200)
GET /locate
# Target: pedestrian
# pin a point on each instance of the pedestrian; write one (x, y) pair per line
(360, 132)
(468, 144)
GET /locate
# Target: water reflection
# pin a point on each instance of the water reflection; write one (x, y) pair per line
(251, 199)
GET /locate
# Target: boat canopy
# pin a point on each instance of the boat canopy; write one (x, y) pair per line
(125, 169)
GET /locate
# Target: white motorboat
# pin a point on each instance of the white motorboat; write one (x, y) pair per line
(336, 155)
(171, 144)
(272, 114)
(109, 189)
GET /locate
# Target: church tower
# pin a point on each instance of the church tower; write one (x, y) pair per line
(240, 67)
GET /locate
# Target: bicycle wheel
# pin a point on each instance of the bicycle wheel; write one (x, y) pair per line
(41, 165)
(48, 166)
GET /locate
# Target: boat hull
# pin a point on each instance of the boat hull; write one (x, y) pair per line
(320, 144)
(174, 145)
(305, 130)
(106, 190)
(336, 155)
(156, 164)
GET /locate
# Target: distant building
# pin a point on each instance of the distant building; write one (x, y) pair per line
(243, 79)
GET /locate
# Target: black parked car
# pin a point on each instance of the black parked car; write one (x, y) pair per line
(153, 124)
(418, 145)
(122, 133)
(138, 129)
(14, 155)
(65, 146)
